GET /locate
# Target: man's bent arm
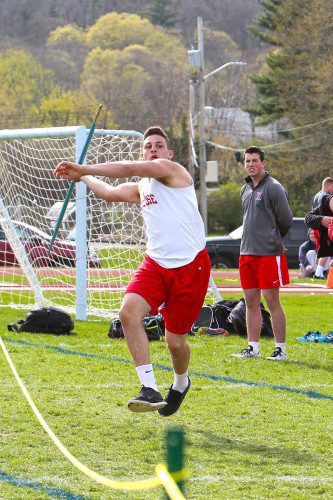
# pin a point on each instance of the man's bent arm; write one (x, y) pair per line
(126, 192)
(313, 219)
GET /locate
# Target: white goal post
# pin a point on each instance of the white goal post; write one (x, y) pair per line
(98, 246)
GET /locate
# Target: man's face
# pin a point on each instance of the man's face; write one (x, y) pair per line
(156, 146)
(253, 165)
(329, 188)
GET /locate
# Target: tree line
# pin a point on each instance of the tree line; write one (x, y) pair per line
(60, 59)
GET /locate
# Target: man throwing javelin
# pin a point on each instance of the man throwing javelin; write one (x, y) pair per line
(263, 265)
(175, 271)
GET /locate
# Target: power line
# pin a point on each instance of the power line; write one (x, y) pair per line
(318, 145)
(219, 146)
(249, 132)
(306, 126)
(267, 146)
(261, 132)
(291, 140)
(308, 146)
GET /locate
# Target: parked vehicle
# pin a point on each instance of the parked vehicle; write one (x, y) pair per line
(224, 250)
(36, 243)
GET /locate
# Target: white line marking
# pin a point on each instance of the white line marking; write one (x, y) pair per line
(249, 479)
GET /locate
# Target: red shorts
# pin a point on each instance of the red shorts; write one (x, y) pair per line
(182, 290)
(263, 271)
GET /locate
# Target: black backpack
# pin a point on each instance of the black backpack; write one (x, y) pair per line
(153, 325)
(238, 319)
(45, 320)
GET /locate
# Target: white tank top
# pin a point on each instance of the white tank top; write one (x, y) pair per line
(174, 226)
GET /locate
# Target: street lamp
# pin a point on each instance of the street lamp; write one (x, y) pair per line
(231, 63)
(196, 62)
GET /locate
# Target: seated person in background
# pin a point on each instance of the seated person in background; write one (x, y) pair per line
(308, 255)
(321, 218)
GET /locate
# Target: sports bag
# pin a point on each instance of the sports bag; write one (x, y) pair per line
(153, 325)
(231, 316)
(215, 316)
(238, 319)
(45, 320)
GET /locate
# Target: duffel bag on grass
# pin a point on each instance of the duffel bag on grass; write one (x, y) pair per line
(153, 325)
(231, 316)
(45, 320)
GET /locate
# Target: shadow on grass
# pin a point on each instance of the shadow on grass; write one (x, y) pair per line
(311, 366)
(212, 441)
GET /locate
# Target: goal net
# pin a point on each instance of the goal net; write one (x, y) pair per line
(30, 200)
(98, 246)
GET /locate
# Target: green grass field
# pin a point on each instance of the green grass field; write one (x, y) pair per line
(254, 429)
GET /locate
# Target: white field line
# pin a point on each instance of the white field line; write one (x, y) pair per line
(249, 479)
(60, 289)
(5, 287)
(238, 386)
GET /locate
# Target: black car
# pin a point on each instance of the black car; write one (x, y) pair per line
(224, 250)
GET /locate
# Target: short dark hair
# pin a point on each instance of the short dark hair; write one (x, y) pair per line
(157, 130)
(255, 149)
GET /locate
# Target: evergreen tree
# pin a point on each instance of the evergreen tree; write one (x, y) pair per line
(162, 12)
(267, 20)
(294, 81)
(268, 106)
(295, 84)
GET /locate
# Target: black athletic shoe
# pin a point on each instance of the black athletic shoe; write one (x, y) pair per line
(174, 399)
(147, 400)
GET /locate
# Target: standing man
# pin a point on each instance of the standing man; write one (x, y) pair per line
(262, 264)
(175, 271)
(326, 188)
(323, 262)
(321, 218)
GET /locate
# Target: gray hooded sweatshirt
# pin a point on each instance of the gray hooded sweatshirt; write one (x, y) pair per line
(267, 217)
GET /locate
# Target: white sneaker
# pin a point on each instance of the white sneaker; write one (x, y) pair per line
(247, 353)
(278, 355)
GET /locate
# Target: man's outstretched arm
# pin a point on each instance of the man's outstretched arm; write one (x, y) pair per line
(157, 169)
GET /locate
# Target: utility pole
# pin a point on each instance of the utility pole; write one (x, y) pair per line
(196, 61)
(202, 131)
(191, 132)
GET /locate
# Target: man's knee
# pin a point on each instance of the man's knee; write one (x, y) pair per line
(252, 302)
(176, 343)
(272, 299)
(311, 256)
(133, 309)
(124, 315)
(129, 316)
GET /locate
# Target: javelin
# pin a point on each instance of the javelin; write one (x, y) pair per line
(72, 183)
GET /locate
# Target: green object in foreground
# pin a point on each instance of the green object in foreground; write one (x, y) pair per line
(175, 452)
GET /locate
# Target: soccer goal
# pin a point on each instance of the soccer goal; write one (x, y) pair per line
(98, 246)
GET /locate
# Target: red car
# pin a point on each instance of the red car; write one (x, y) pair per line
(36, 244)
